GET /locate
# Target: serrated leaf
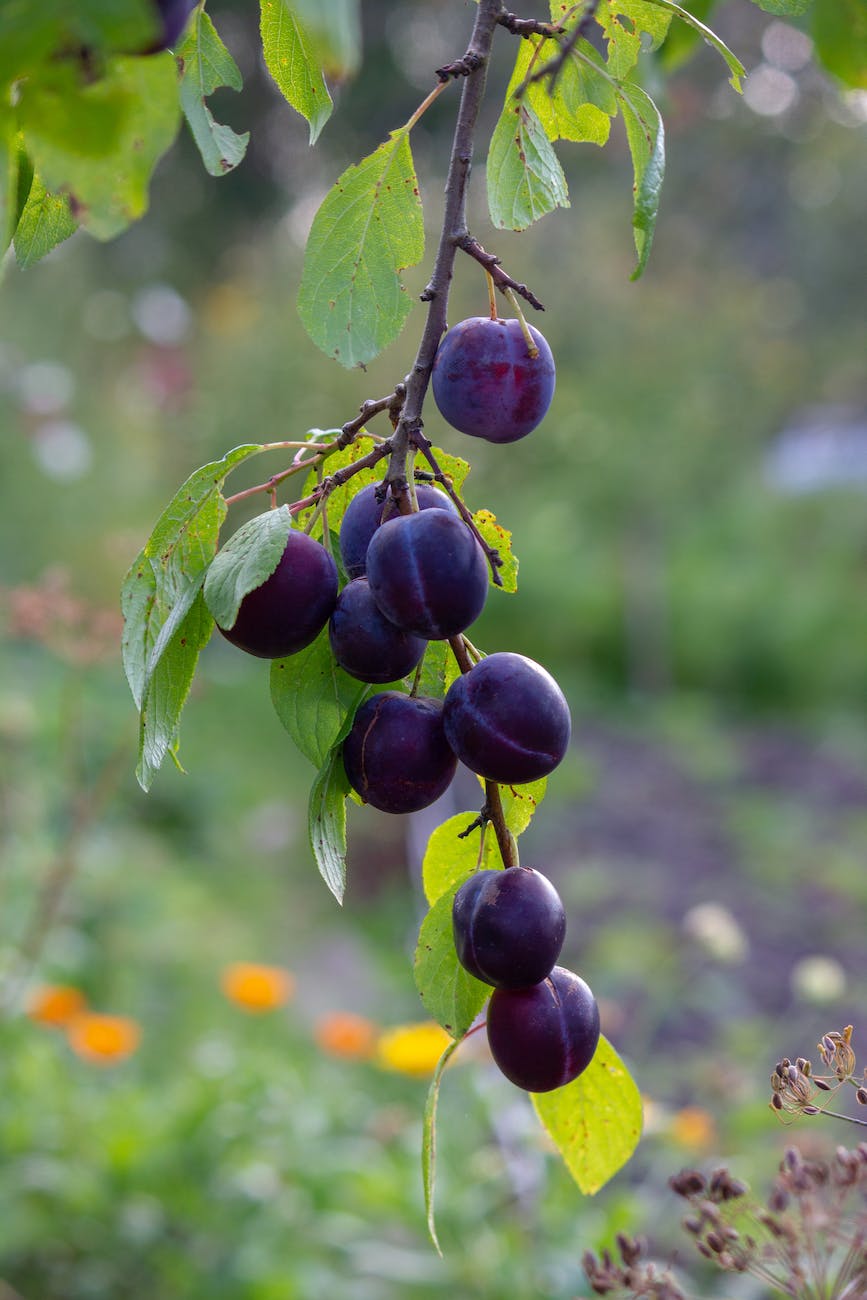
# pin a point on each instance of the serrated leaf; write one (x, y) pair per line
(524, 177)
(159, 592)
(450, 994)
(520, 803)
(736, 68)
(206, 65)
(168, 688)
(368, 229)
(293, 60)
(449, 860)
(45, 222)
(108, 189)
(581, 104)
(326, 822)
(247, 560)
(313, 698)
(429, 1142)
(840, 36)
(795, 8)
(501, 539)
(646, 136)
(595, 1121)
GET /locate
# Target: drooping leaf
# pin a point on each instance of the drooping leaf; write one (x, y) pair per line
(248, 558)
(623, 23)
(795, 8)
(449, 859)
(159, 592)
(735, 67)
(293, 59)
(168, 688)
(595, 1121)
(581, 104)
(334, 28)
(326, 822)
(429, 1142)
(646, 136)
(312, 697)
(501, 539)
(206, 65)
(368, 229)
(524, 177)
(450, 994)
(840, 35)
(683, 38)
(108, 186)
(45, 222)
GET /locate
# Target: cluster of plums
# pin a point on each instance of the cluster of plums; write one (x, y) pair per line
(542, 1020)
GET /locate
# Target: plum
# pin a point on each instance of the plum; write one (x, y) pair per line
(173, 17)
(292, 606)
(509, 926)
(507, 719)
(396, 756)
(427, 573)
(363, 516)
(544, 1036)
(365, 643)
(486, 383)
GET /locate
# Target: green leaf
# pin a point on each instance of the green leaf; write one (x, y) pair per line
(524, 177)
(85, 120)
(582, 103)
(595, 1121)
(293, 60)
(205, 66)
(449, 860)
(313, 698)
(334, 29)
(168, 688)
(31, 34)
(326, 822)
(247, 560)
(840, 36)
(45, 222)
(429, 1141)
(646, 136)
(501, 539)
(520, 803)
(795, 8)
(450, 994)
(9, 171)
(736, 68)
(159, 593)
(108, 183)
(624, 39)
(369, 228)
(439, 669)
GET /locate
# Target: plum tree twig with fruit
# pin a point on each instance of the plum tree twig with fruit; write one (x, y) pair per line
(360, 591)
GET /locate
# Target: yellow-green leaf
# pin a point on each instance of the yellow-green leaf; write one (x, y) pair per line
(450, 859)
(501, 539)
(524, 177)
(293, 61)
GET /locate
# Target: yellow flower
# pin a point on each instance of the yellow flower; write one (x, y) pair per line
(693, 1127)
(55, 1004)
(412, 1049)
(346, 1035)
(255, 988)
(105, 1040)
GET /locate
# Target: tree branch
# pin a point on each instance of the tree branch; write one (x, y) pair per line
(529, 26)
(491, 263)
(554, 66)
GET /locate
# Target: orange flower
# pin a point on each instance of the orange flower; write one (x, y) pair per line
(55, 1004)
(256, 988)
(343, 1034)
(105, 1040)
(693, 1127)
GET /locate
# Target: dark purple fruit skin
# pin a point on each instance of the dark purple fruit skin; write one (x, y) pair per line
(363, 641)
(507, 719)
(291, 607)
(428, 574)
(545, 1036)
(509, 926)
(363, 516)
(396, 756)
(485, 382)
(174, 16)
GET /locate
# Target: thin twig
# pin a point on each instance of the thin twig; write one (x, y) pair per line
(501, 279)
(555, 65)
(529, 26)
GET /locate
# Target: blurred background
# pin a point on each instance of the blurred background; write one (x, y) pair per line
(237, 1118)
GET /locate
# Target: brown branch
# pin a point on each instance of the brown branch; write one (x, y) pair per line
(529, 26)
(464, 67)
(393, 404)
(501, 279)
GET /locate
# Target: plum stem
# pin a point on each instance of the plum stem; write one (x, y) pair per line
(532, 345)
(492, 295)
(501, 278)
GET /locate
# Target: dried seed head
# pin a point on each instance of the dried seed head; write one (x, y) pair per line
(689, 1182)
(861, 1096)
